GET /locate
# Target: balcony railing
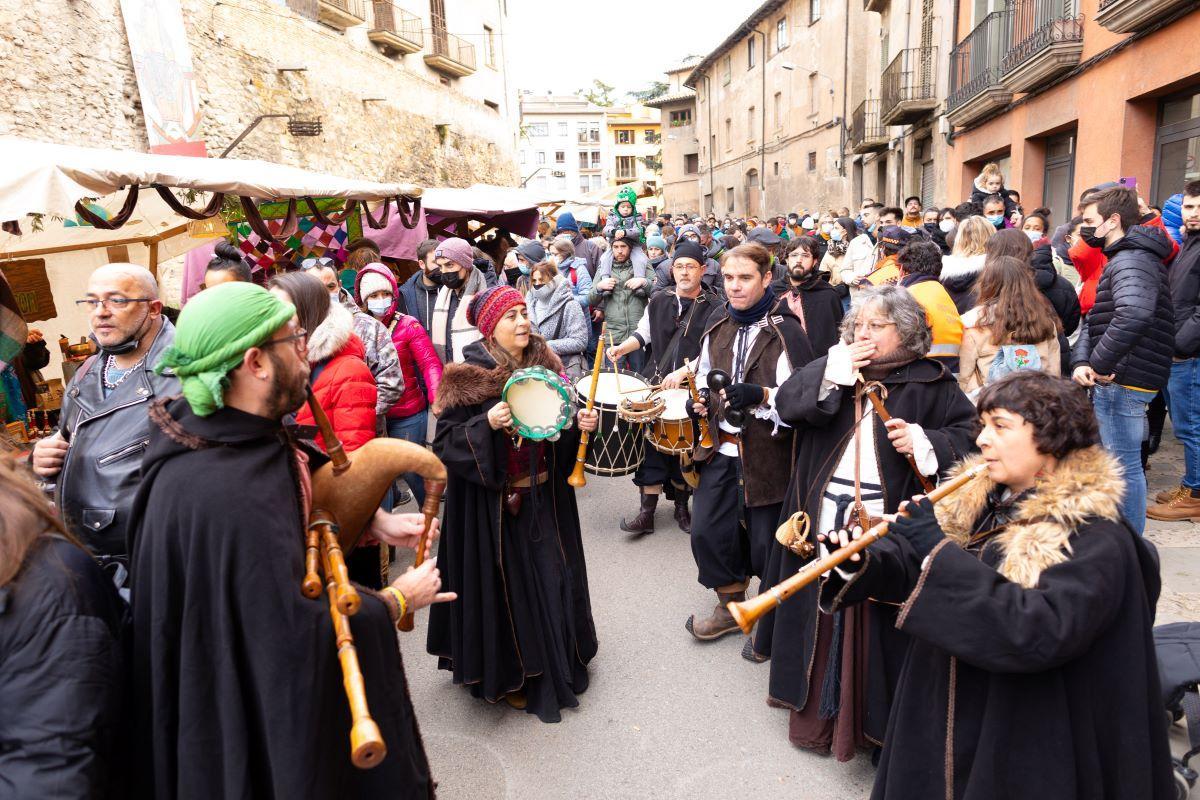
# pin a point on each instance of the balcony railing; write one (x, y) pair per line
(450, 54)
(867, 133)
(341, 14)
(975, 73)
(1046, 41)
(909, 86)
(396, 29)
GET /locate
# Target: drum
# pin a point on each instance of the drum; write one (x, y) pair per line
(618, 445)
(672, 432)
(540, 403)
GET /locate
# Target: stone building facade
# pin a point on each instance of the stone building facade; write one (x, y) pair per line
(403, 90)
(680, 142)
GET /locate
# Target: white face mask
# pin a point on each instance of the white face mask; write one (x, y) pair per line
(379, 306)
(335, 297)
(946, 225)
(826, 227)
(1033, 235)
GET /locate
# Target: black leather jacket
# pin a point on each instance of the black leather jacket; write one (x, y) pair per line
(108, 436)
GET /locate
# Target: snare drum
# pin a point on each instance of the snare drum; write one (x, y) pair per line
(672, 432)
(618, 445)
(540, 403)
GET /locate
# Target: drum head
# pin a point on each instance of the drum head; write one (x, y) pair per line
(539, 401)
(612, 387)
(676, 403)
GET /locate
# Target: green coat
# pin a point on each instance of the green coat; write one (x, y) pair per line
(623, 308)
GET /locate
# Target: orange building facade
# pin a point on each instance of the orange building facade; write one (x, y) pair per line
(1066, 94)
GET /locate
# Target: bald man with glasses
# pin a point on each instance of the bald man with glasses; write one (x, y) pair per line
(95, 458)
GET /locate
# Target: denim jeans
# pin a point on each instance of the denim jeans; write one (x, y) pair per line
(411, 429)
(1121, 414)
(1184, 398)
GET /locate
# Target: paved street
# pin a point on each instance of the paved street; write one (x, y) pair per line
(665, 716)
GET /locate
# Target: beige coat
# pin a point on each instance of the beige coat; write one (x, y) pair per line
(978, 351)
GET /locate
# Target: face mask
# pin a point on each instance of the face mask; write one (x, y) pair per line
(451, 280)
(1033, 235)
(1090, 237)
(524, 269)
(946, 225)
(335, 297)
(127, 346)
(996, 219)
(835, 234)
(826, 227)
(379, 306)
(512, 274)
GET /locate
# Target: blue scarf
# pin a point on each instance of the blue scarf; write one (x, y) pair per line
(756, 312)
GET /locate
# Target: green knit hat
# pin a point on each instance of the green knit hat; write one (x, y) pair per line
(215, 330)
(626, 194)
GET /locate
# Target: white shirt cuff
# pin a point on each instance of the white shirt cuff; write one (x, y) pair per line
(923, 454)
(767, 411)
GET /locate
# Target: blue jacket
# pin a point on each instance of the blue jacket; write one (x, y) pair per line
(583, 281)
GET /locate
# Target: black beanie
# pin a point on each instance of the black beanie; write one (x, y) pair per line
(686, 248)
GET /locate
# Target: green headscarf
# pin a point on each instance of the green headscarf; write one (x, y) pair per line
(214, 331)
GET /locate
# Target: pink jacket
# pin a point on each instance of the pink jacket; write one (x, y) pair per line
(417, 356)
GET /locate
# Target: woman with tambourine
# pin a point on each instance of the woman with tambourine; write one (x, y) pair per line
(511, 547)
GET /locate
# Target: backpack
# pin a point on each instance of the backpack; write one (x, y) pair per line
(1013, 357)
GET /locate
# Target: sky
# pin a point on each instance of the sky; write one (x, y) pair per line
(562, 47)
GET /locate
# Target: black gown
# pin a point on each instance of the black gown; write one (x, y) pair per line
(921, 392)
(1031, 671)
(238, 690)
(523, 619)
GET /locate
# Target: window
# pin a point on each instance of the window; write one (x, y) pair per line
(584, 183)
(541, 156)
(781, 34)
(624, 136)
(775, 167)
(750, 52)
(489, 47)
(727, 71)
(751, 127)
(581, 132)
(563, 129)
(779, 109)
(539, 182)
(650, 136)
(594, 132)
(728, 133)
(626, 168)
(812, 160)
(583, 159)
(595, 159)
(560, 180)
(539, 129)
(679, 119)
(814, 99)
(597, 182)
(814, 11)
(729, 199)
(521, 157)
(691, 164)
(1177, 145)
(560, 156)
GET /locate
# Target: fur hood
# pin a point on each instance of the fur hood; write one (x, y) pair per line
(961, 266)
(1086, 485)
(331, 335)
(478, 378)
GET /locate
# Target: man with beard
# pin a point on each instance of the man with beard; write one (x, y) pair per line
(674, 322)
(420, 291)
(96, 456)
(755, 348)
(237, 687)
(807, 294)
(460, 282)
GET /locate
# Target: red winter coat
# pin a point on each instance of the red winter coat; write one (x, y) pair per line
(416, 352)
(344, 386)
(1089, 263)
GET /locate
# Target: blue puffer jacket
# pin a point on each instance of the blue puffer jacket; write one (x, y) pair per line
(1130, 331)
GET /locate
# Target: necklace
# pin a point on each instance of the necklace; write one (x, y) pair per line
(110, 364)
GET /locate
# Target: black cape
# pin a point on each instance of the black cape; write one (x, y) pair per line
(822, 309)
(922, 392)
(238, 690)
(1032, 671)
(523, 619)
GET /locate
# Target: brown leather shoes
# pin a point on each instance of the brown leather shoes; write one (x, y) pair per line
(720, 622)
(683, 517)
(1184, 506)
(1170, 494)
(644, 521)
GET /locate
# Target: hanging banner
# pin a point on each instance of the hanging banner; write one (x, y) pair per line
(162, 62)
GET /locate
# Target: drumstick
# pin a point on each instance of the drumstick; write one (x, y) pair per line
(616, 369)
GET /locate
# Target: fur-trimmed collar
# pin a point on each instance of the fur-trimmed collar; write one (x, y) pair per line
(331, 335)
(479, 378)
(1086, 485)
(960, 266)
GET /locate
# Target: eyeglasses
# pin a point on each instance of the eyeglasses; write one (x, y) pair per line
(874, 326)
(111, 303)
(300, 337)
(316, 262)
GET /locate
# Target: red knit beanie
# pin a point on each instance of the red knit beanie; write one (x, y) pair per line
(490, 305)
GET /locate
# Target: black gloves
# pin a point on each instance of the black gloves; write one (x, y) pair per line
(691, 409)
(745, 395)
(920, 527)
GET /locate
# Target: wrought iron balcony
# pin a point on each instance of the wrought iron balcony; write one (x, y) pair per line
(396, 29)
(867, 133)
(909, 86)
(1046, 42)
(341, 14)
(1131, 16)
(976, 85)
(450, 54)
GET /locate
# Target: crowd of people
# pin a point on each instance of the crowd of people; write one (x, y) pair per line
(155, 643)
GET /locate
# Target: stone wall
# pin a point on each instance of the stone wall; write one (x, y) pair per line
(66, 76)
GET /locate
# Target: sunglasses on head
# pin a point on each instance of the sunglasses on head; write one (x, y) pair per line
(316, 263)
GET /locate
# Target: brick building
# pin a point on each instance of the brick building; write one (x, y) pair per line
(404, 90)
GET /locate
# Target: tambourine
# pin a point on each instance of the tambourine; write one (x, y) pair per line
(540, 403)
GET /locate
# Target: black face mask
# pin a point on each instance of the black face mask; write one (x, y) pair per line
(512, 274)
(1088, 234)
(127, 346)
(451, 280)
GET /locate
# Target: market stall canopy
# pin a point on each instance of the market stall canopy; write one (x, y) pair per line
(587, 207)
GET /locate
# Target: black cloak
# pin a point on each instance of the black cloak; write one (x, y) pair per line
(1031, 671)
(238, 690)
(921, 392)
(523, 618)
(822, 309)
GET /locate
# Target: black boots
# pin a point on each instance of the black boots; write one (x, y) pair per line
(683, 517)
(644, 521)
